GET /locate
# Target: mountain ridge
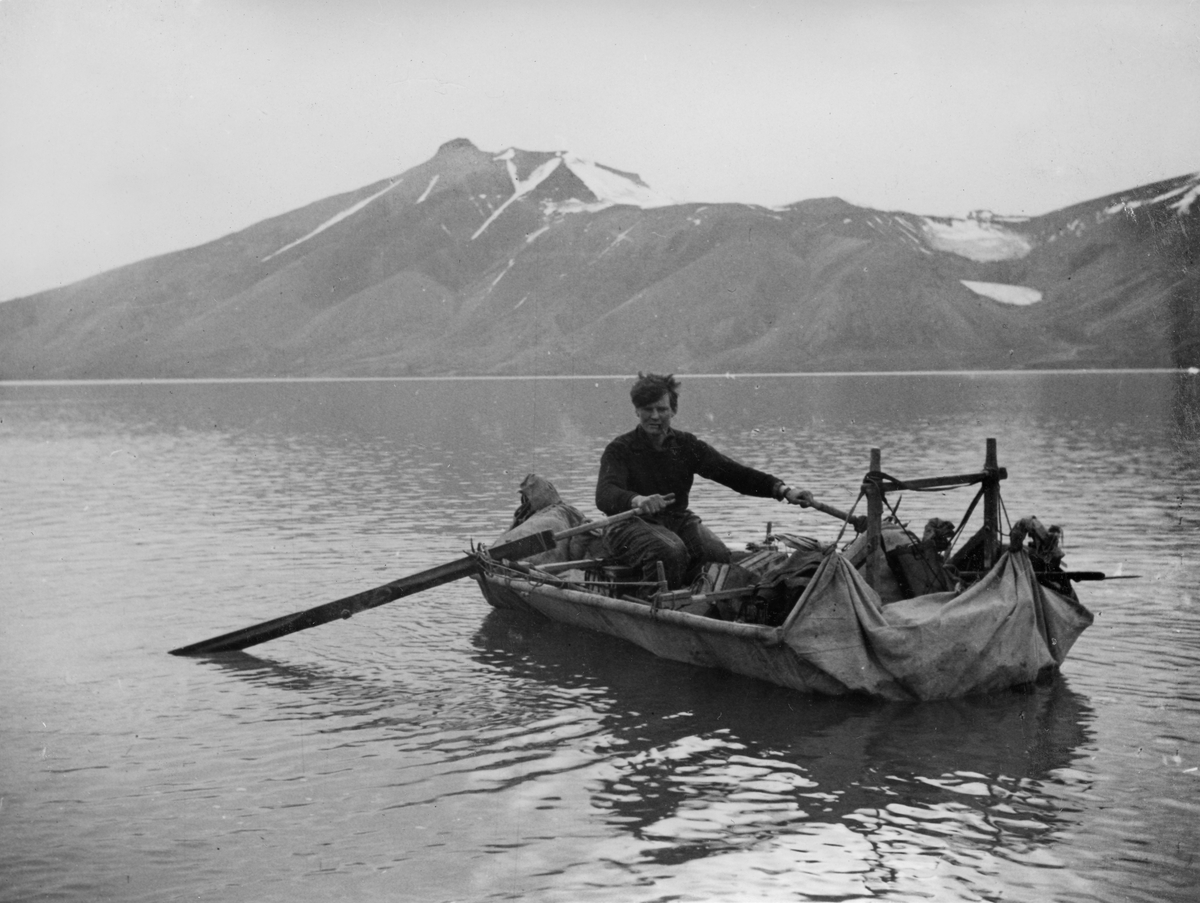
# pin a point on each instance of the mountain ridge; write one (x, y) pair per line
(533, 262)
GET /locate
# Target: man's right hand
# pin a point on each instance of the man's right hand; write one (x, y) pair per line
(651, 504)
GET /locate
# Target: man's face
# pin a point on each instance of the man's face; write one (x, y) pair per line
(656, 416)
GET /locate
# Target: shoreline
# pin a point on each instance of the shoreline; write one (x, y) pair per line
(235, 380)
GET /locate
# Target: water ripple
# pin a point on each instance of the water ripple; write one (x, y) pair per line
(478, 755)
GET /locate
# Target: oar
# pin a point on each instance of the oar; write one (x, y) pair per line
(389, 592)
(1077, 576)
(858, 523)
(372, 598)
(553, 567)
(1093, 575)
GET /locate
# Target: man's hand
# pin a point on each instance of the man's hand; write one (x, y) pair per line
(651, 504)
(801, 497)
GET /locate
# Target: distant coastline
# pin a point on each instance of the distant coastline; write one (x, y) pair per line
(221, 380)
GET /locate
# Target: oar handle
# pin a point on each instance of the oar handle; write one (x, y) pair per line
(605, 522)
(591, 525)
(858, 523)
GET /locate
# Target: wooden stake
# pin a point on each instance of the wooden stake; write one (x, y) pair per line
(874, 524)
(991, 506)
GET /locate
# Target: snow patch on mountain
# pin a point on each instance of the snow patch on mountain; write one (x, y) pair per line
(977, 238)
(612, 188)
(532, 236)
(503, 273)
(623, 236)
(335, 219)
(1019, 295)
(521, 186)
(608, 187)
(1184, 195)
(1184, 204)
(897, 226)
(428, 188)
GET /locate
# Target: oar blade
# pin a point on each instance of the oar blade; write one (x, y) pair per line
(372, 598)
(330, 611)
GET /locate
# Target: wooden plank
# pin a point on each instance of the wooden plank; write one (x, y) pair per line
(962, 479)
(641, 611)
(582, 564)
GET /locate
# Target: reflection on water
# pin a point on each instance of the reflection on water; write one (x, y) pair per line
(436, 747)
(702, 764)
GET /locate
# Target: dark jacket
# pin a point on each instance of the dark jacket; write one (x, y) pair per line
(631, 466)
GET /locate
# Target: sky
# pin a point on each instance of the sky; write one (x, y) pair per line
(130, 129)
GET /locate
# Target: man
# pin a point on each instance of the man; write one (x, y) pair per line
(650, 470)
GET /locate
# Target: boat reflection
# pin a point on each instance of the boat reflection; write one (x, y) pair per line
(688, 765)
(703, 761)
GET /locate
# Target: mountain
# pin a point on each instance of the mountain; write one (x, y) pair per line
(532, 262)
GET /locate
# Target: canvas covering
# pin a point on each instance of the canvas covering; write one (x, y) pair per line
(542, 508)
(1004, 630)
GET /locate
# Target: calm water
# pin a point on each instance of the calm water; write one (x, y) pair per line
(435, 750)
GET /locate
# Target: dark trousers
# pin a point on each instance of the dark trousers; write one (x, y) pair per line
(676, 538)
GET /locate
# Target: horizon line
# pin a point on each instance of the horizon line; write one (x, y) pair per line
(234, 380)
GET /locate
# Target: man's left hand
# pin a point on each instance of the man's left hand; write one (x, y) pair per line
(801, 497)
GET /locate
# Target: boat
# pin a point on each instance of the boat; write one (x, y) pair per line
(886, 614)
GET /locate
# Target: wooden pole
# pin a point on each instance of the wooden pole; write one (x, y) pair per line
(342, 609)
(874, 523)
(991, 506)
(859, 523)
(522, 547)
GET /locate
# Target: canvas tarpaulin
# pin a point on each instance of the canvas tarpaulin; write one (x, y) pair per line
(542, 508)
(1003, 630)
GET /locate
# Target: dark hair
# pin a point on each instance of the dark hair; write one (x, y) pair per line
(650, 387)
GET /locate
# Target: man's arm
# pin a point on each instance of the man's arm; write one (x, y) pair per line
(612, 494)
(712, 465)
